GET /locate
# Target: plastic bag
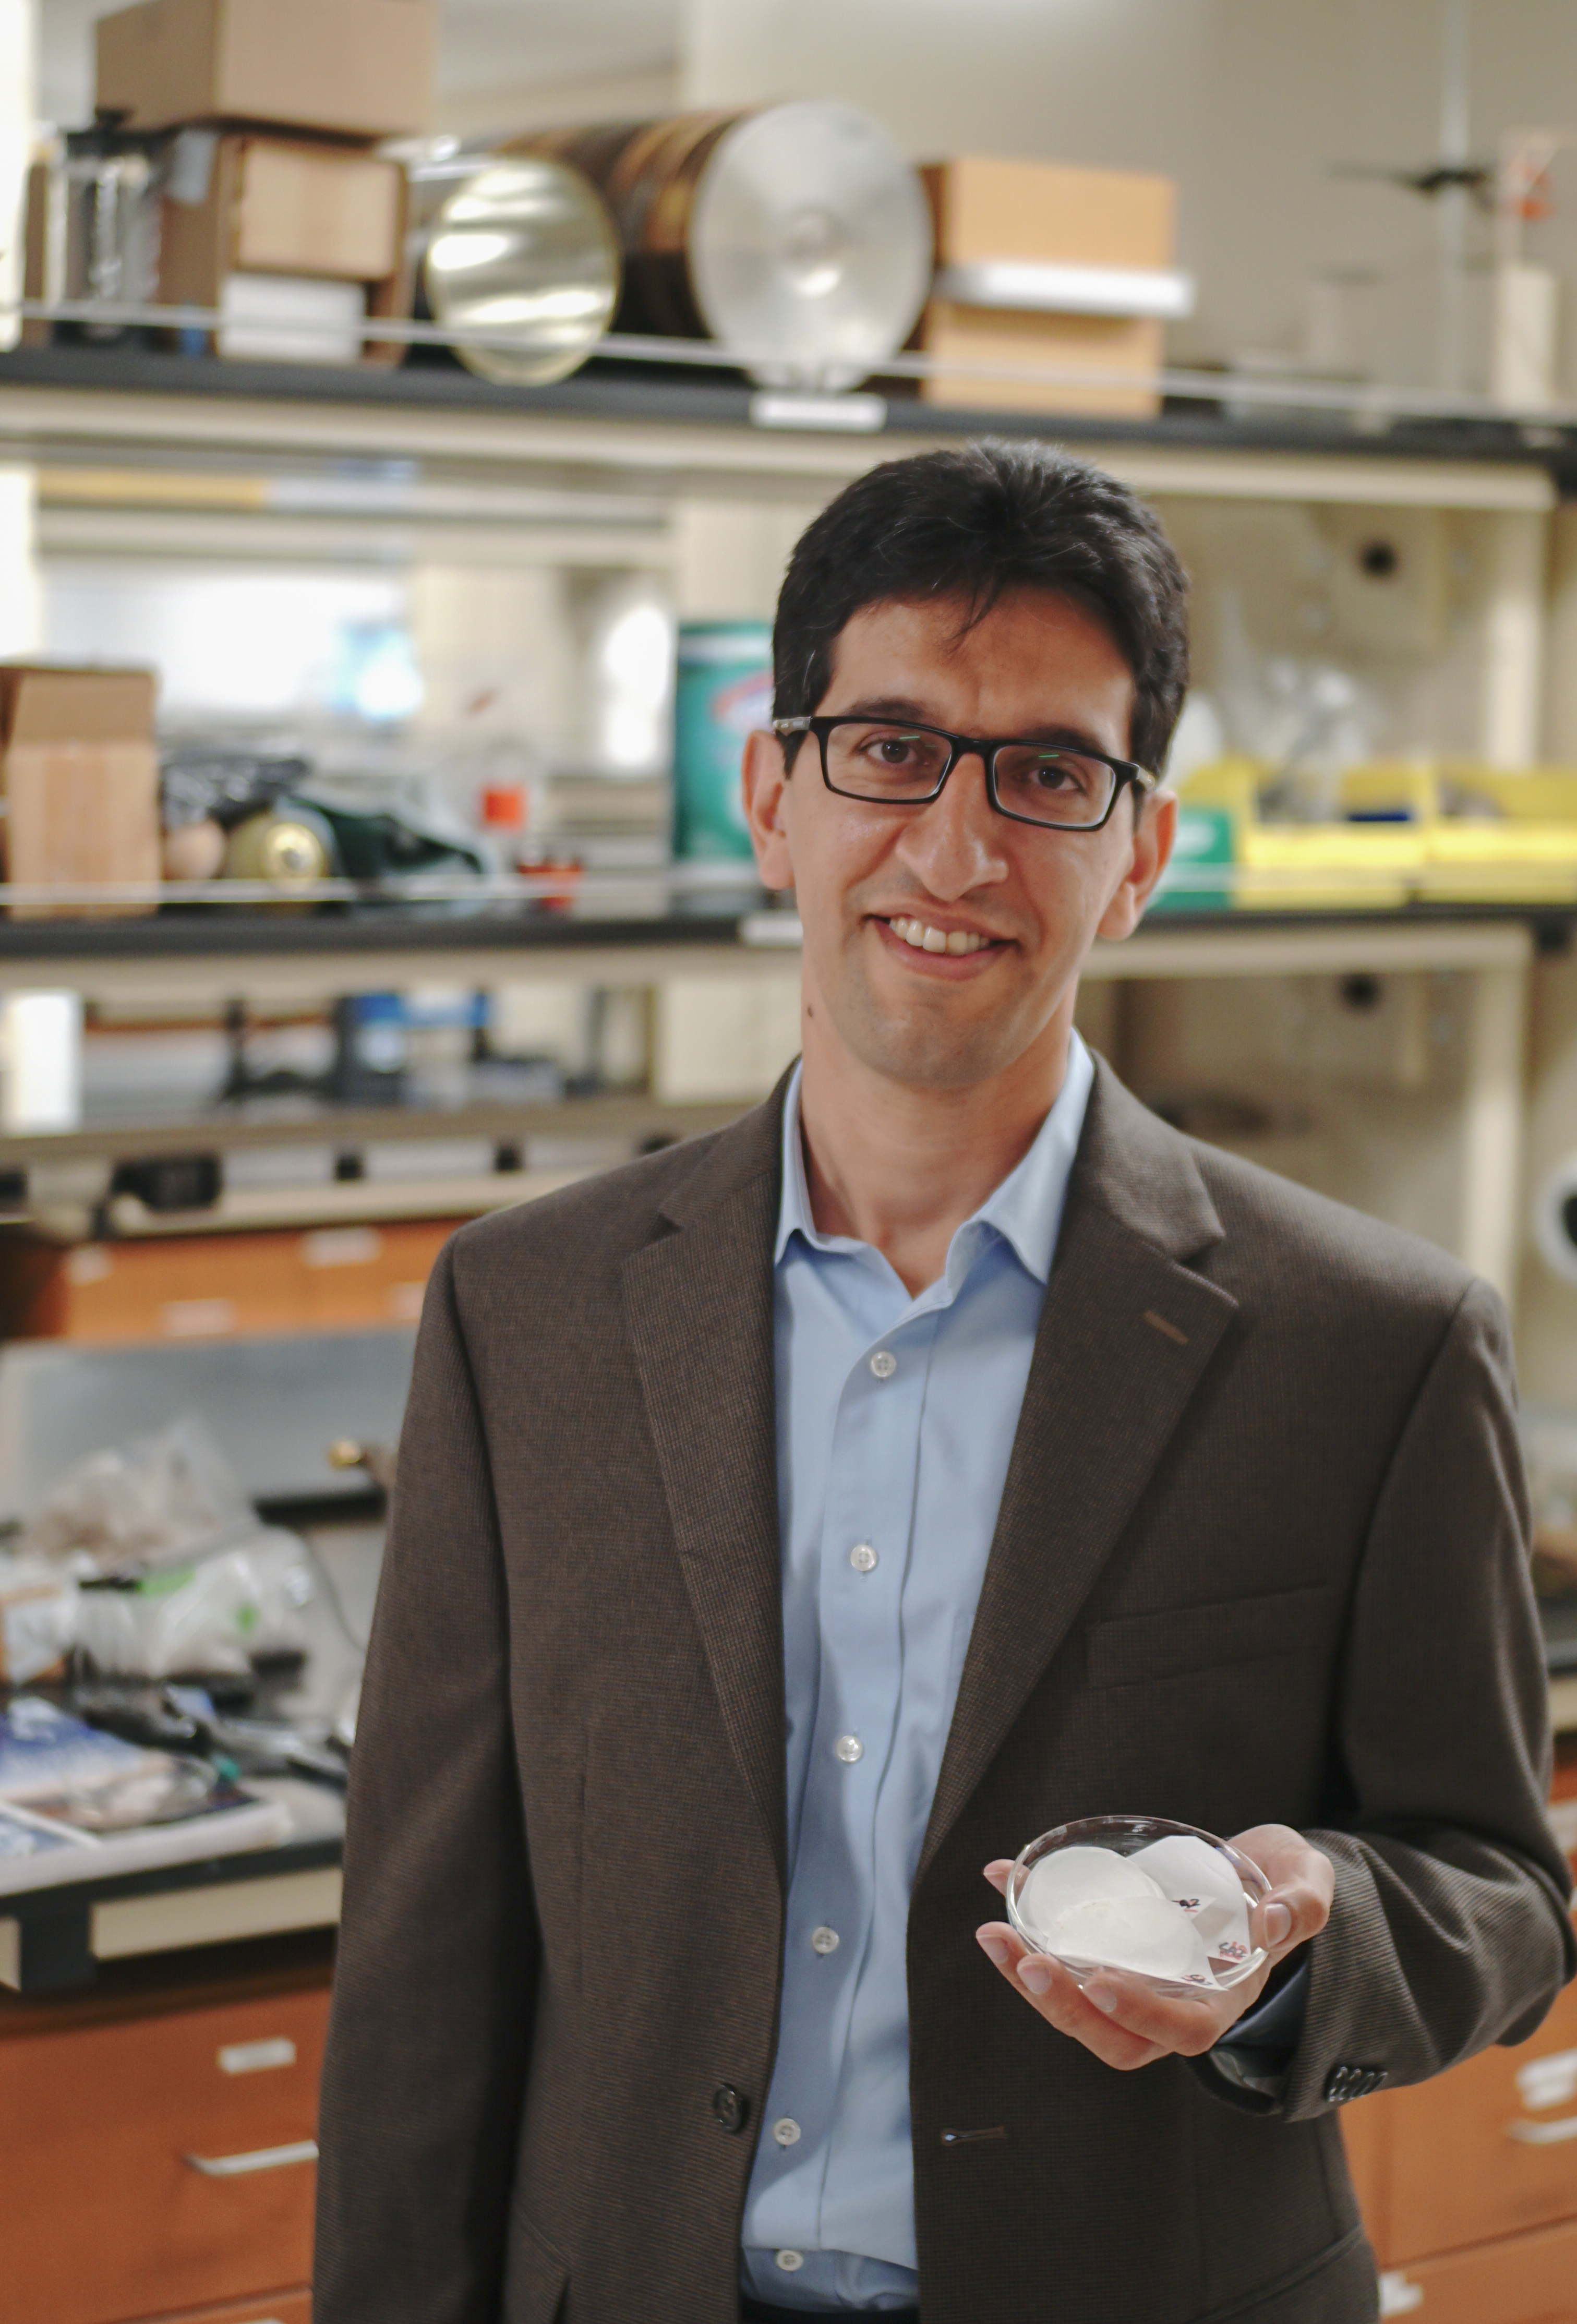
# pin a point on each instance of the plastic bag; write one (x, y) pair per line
(37, 1619)
(153, 1501)
(215, 1617)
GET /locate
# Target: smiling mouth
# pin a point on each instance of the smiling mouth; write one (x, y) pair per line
(957, 942)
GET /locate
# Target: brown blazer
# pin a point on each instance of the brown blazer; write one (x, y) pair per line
(1260, 1557)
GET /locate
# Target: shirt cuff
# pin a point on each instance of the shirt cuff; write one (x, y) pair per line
(1255, 2053)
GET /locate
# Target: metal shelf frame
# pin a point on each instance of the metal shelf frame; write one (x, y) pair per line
(665, 437)
(655, 440)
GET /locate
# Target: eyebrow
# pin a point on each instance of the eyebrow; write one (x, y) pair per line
(898, 706)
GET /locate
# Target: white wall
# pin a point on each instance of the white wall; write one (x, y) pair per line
(1246, 102)
(239, 642)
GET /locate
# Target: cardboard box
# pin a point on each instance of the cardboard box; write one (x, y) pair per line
(78, 782)
(1039, 213)
(361, 68)
(1067, 344)
(311, 219)
(220, 1286)
(35, 252)
(1049, 212)
(310, 209)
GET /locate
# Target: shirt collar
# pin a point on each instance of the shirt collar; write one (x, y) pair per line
(1026, 1210)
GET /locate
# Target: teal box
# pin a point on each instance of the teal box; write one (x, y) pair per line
(1203, 844)
(724, 690)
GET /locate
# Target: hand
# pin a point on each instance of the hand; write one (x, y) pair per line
(1125, 2021)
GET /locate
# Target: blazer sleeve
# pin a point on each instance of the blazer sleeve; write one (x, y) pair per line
(1450, 1928)
(433, 1991)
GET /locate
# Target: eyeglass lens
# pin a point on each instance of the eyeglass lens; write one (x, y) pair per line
(871, 760)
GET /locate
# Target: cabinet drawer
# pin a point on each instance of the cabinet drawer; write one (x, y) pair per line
(1487, 2150)
(1523, 2280)
(103, 2128)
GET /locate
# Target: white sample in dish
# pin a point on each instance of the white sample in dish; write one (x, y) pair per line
(1201, 1882)
(1146, 1933)
(1079, 1876)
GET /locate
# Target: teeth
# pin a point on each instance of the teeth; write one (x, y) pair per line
(924, 938)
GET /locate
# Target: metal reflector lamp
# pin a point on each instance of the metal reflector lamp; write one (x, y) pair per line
(525, 249)
(810, 244)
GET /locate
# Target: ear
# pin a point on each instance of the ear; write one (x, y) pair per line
(764, 780)
(1150, 851)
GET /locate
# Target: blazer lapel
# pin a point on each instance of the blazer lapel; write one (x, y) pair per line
(699, 1304)
(1125, 1334)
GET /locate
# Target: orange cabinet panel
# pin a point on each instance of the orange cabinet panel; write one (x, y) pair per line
(1486, 2151)
(104, 2124)
(1521, 2279)
(220, 1286)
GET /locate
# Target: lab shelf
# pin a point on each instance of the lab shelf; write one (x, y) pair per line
(276, 955)
(665, 436)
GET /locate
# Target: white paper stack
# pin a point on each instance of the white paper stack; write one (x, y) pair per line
(49, 1761)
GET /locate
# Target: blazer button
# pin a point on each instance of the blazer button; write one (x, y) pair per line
(730, 2107)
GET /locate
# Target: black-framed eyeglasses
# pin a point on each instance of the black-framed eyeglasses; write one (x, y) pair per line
(897, 763)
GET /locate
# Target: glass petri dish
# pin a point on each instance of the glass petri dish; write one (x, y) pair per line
(1176, 1906)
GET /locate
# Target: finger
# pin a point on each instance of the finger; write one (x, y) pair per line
(1290, 1915)
(1302, 1884)
(1180, 2025)
(1052, 1993)
(998, 1873)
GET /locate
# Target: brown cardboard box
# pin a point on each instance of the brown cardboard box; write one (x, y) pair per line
(242, 204)
(304, 209)
(361, 68)
(1046, 210)
(1045, 213)
(219, 1286)
(78, 782)
(1065, 344)
(35, 283)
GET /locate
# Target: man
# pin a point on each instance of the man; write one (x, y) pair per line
(791, 1526)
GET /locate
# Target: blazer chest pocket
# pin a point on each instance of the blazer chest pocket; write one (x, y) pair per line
(1180, 1639)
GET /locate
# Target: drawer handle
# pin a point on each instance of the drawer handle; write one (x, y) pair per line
(262, 2158)
(1544, 2134)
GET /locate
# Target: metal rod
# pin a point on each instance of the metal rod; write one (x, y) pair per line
(1373, 401)
(1452, 210)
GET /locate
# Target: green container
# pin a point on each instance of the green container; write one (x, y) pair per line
(724, 690)
(1204, 843)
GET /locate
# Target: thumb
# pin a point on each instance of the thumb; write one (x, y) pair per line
(1291, 1914)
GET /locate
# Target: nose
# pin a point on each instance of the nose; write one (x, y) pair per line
(956, 844)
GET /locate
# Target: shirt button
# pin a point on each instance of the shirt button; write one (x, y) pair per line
(863, 1557)
(790, 2262)
(884, 1363)
(849, 1749)
(786, 2130)
(823, 1940)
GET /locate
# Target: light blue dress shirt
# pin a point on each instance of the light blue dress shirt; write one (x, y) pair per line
(896, 1419)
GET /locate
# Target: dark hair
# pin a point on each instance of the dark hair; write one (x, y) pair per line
(971, 524)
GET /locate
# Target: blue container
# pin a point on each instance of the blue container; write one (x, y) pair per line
(724, 690)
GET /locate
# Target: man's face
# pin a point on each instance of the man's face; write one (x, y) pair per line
(1038, 668)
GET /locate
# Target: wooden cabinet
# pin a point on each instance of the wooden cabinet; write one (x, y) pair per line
(1486, 2151)
(156, 2149)
(1516, 2280)
(1468, 2184)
